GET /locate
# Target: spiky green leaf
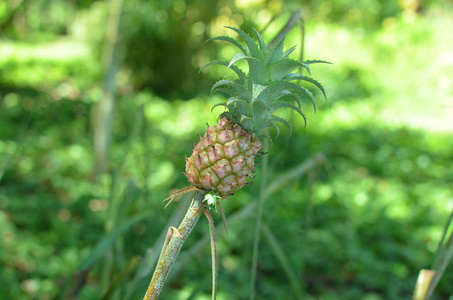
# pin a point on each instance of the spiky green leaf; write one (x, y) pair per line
(259, 110)
(280, 86)
(314, 61)
(287, 94)
(238, 106)
(217, 104)
(276, 128)
(246, 123)
(236, 88)
(281, 68)
(233, 100)
(289, 105)
(276, 53)
(237, 57)
(288, 52)
(263, 45)
(295, 76)
(283, 121)
(223, 90)
(252, 46)
(257, 70)
(231, 41)
(242, 76)
(257, 91)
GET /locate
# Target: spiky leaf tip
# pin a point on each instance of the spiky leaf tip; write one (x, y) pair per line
(268, 86)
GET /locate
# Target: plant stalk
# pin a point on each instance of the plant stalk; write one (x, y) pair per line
(259, 217)
(172, 246)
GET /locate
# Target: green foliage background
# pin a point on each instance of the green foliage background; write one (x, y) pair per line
(366, 225)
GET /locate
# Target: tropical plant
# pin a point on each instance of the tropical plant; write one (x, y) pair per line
(224, 157)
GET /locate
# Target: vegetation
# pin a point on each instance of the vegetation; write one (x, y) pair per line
(355, 204)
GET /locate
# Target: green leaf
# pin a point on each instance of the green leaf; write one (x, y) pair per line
(260, 110)
(288, 52)
(308, 62)
(293, 76)
(231, 88)
(289, 105)
(263, 45)
(282, 68)
(233, 100)
(283, 121)
(246, 123)
(224, 90)
(218, 104)
(276, 128)
(289, 94)
(242, 76)
(232, 41)
(238, 106)
(258, 71)
(253, 47)
(276, 53)
(257, 90)
(280, 86)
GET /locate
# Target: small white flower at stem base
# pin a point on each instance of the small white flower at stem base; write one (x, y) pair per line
(211, 201)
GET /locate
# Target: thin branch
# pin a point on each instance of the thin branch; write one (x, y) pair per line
(173, 245)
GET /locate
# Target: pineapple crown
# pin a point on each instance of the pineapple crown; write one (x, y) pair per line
(254, 97)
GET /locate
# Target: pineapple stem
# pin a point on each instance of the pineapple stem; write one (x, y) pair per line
(214, 253)
(258, 219)
(173, 244)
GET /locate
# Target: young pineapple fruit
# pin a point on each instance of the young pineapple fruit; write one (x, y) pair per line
(224, 157)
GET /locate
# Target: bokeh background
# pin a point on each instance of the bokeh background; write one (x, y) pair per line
(101, 100)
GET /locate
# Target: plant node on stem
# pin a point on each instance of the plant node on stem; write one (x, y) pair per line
(173, 244)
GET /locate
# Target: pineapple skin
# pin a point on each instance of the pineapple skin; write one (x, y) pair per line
(223, 158)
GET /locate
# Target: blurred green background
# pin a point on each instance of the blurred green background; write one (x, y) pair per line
(101, 101)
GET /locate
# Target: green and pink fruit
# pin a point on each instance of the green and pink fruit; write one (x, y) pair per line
(224, 157)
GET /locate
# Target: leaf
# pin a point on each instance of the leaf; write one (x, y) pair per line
(254, 51)
(283, 121)
(233, 100)
(238, 106)
(224, 90)
(232, 41)
(237, 57)
(263, 45)
(289, 105)
(231, 88)
(293, 76)
(217, 104)
(242, 76)
(280, 86)
(260, 110)
(258, 71)
(308, 62)
(289, 51)
(276, 128)
(281, 68)
(276, 53)
(257, 91)
(290, 94)
(246, 123)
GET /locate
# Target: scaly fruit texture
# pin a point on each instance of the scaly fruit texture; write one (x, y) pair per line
(224, 157)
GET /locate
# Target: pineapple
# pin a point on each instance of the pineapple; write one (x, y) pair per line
(224, 157)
